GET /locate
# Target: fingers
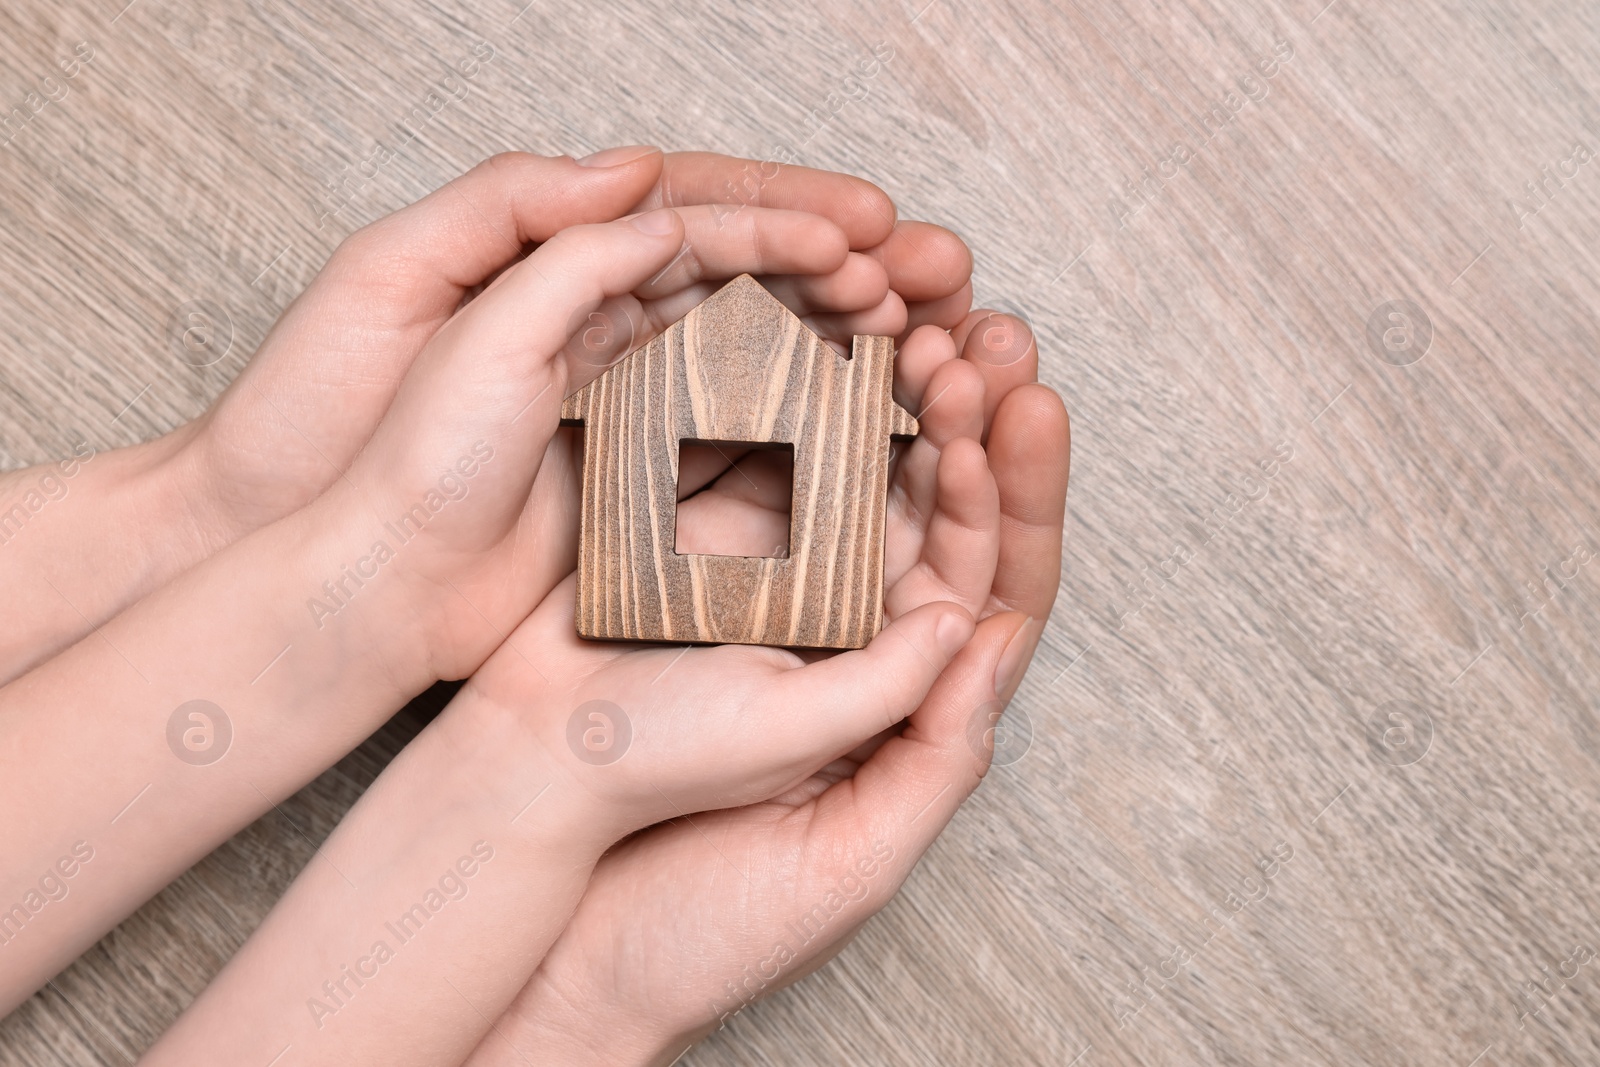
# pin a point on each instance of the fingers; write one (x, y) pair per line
(763, 241)
(425, 256)
(946, 312)
(952, 404)
(1003, 348)
(723, 523)
(495, 362)
(906, 792)
(961, 542)
(924, 261)
(859, 296)
(951, 407)
(746, 513)
(887, 319)
(849, 697)
(861, 209)
(859, 284)
(715, 525)
(927, 265)
(755, 241)
(699, 466)
(389, 286)
(1030, 455)
(840, 294)
(924, 350)
(911, 787)
(762, 477)
(574, 271)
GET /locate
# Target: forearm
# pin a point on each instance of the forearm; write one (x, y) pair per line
(103, 746)
(427, 910)
(83, 537)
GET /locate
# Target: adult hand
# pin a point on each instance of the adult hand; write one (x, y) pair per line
(687, 922)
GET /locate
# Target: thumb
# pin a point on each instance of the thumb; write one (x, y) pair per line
(854, 695)
(431, 252)
(494, 371)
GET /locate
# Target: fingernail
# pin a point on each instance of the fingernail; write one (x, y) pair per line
(616, 157)
(952, 631)
(657, 223)
(1014, 660)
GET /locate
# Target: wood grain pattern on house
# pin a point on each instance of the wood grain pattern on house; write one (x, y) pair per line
(739, 369)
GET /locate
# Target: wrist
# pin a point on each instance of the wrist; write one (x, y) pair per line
(507, 747)
(84, 536)
(500, 747)
(200, 493)
(347, 584)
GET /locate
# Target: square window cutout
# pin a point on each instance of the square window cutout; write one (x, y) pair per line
(735, 498)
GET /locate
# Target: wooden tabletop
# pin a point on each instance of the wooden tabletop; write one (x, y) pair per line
(1308, 768)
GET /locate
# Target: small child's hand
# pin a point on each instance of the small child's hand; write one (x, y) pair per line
(732, 725)
(436, 509)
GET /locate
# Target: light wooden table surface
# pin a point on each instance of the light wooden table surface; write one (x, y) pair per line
(1327, 591)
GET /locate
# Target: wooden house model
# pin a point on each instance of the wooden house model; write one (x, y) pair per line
(740, 369)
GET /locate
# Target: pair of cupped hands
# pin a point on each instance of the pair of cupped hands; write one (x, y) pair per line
(499, 895)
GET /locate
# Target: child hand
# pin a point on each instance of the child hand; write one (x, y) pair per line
(728, 725)
(441, 493)
(667, 941)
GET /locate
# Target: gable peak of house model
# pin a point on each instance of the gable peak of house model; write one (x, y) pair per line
(740, 342)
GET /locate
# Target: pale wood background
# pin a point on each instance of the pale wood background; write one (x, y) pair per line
(1388, 560)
